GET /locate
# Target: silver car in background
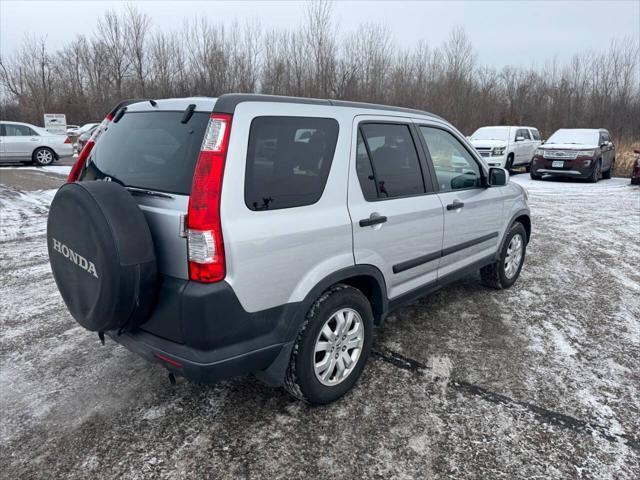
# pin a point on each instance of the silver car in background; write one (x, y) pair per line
(23, 142)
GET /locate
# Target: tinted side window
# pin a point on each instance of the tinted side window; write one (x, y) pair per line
(536, 134)
(394, 160)
(523, 133)
(455, 167)
(365, 171)
(605, 137)
(18, 131)
(288, 161)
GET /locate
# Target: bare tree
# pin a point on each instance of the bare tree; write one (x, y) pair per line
(127, 58)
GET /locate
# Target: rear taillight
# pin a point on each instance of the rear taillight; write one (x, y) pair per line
(204, 230)
(67, 140)
(76, 170)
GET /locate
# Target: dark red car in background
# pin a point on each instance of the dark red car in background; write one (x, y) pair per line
(586, 153)
(635, 173)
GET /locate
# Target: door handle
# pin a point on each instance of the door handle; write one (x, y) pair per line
(455, 205)
(372, 220)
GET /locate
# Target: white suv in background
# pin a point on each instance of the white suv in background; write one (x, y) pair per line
(506, 147)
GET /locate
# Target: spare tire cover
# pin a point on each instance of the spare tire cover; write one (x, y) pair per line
(102, 255)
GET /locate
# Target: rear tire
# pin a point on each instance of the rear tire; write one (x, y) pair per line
(43, 156)
(528, 168)
(305, 378)
(502, 274)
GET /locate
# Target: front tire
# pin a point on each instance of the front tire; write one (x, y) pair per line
(505, 271)
(534, 176)
(332, 346)
(43, 156)
(509, 165)
(609, 173)
(596, 173)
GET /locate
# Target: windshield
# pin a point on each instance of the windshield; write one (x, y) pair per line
(577, 136)
(491, 133)
(150, 150)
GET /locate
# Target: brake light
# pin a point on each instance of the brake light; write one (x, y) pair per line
(204, 229)
(86, 150)
(67, 140)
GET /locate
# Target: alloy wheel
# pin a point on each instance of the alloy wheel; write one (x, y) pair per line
(514, 256)
(338, 347)
(44, 157)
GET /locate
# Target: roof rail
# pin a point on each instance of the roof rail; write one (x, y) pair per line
(228, 102)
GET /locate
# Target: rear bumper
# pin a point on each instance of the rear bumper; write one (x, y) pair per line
(197, 365)
(202, 332)
(64, 151)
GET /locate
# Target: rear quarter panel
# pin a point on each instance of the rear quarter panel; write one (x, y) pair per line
(276, 257)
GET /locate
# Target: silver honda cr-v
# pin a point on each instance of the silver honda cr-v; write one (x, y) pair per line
(251, 233)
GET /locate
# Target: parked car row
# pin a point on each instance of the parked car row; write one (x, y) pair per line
(586, 153)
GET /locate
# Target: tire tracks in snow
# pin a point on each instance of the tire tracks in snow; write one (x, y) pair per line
(544, 415)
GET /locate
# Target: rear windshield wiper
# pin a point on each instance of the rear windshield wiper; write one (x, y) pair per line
(188, 113)
(150, 193)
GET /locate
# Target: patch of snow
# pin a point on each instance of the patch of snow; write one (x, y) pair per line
(56, 169)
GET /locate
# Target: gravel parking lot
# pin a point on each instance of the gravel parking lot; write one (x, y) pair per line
(542, 380)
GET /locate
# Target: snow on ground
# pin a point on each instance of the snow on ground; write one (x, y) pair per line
(541, 380)
(56, 169)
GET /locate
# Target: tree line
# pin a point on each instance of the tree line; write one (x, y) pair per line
(125, 57)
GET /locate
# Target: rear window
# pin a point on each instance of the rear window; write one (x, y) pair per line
(151, 150)
(288, 161)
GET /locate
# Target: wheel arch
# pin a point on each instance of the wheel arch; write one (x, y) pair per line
(525, 220)
(522, 216)
(47, 147)
(366, 278)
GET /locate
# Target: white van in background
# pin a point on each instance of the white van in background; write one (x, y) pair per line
(506, 147)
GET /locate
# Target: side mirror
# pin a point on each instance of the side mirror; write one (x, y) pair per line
(603, 145)
(519, 139)
(498, 177)
(609, 144)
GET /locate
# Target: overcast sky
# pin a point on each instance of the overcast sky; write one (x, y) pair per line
(503, 33)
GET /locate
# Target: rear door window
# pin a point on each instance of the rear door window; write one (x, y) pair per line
(288, 161)
(150, 150)
(536, 134)
(18, 131)
(387, 162)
